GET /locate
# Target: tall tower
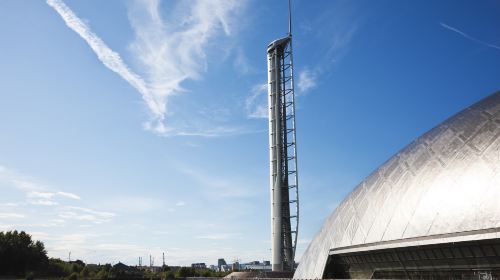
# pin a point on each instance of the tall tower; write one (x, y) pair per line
(283, 155)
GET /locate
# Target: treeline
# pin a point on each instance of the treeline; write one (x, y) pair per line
(20, 256)
(77, 270)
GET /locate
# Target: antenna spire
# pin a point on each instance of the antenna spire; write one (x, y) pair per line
(290, 18)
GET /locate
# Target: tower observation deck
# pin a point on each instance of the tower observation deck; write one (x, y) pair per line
(283, 155)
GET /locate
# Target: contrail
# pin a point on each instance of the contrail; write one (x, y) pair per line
(106, 55)
(169, 53)
(465, 35)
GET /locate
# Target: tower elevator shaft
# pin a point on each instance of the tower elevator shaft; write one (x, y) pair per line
(283, 160)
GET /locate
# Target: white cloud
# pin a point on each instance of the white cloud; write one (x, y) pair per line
(91, 211)
(18, 181)
(9, 204)
(60, 244)
(132, 203)
(306, 81)
(335, 28)
(220, 186)
(95, 217)
(36, 193)
(39, 194)
(42, 201)
(11, 216)
(180, 203)
(69, 195)
(219, 236)
(44, 195)
(23, 184)
(106, 55)
(467, 36)
(256, 103)
(339, 43)
(47, 198)
(169, 52)
(7, 227)
(241, 63)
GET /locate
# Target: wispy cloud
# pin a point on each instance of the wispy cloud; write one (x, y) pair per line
(93, 212)
(47, 198)
(19, 181)
(106, 55)
(9, 204)
(168, 52)
(44, 195)
(180, 204)
(175, 50)
(220, 236)
(221, 186)
(467, 36)
(85, 214)
(68, 195)
(241, 63)
(335, 28)
(11, 216)
(62, 207)
(132, 203)
(306, 81)
(256, 103)
(36, 192)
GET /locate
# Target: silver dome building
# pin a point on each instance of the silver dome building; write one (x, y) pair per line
(432, 211)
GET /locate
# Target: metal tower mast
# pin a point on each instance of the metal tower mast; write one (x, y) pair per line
(283, 152)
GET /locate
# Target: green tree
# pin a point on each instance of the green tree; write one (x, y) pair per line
(73, 276)
(20, 254)
(105, 271)
(184, 272)
(169, 275)
(206, 273)
(59, 268)
(85, 273)
(165, 268)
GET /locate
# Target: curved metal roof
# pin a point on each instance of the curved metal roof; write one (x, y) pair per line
(278, 43)
(443, 187)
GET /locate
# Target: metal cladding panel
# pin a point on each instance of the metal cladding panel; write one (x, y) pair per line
(445, 182)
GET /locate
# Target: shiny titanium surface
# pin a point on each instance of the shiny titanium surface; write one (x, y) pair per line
(443, 187)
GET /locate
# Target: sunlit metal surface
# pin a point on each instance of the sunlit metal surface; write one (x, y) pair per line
(283, 155)
(443, 187)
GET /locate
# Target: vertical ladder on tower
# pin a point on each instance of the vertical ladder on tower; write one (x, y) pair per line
(290, 143)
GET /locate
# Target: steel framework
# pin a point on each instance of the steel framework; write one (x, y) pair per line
(283, 154)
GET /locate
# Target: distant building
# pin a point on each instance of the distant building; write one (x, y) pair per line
(253, 265)
(225, 268)
(153, 269)
(121, 266)
(257, 265)
(221, 262)
(235, 266)
(199, 265)
(213, 267)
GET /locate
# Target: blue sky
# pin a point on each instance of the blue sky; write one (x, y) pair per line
(132, 128)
